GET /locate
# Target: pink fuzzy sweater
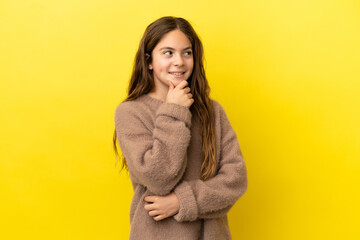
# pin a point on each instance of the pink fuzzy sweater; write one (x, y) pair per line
(161, 143)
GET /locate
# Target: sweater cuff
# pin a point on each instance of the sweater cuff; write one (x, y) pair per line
(188, 208)
(176, 111)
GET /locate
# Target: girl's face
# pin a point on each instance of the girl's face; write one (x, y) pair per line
(172, 60)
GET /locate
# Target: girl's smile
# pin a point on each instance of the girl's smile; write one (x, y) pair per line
(177, 75)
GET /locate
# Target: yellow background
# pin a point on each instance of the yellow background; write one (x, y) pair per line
(286, 72)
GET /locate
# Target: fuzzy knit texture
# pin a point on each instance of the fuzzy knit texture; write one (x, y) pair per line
(162, 146)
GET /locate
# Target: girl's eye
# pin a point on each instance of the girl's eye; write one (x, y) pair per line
(188, 53)
(168, 53)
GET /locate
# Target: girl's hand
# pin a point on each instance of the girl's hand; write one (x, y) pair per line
(180, 94)
(161, 207)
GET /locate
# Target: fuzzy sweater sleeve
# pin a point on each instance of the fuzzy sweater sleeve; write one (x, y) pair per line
(156, 159)
(215, 197)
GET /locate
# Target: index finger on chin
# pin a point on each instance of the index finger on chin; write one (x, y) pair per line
(182, 84)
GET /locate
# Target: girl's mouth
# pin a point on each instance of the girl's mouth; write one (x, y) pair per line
(177, 74)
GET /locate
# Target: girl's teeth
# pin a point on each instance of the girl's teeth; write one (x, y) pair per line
(177, 74)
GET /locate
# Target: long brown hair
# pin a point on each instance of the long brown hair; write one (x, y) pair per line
(142, 82)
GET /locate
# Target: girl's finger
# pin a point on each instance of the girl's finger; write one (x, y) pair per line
(159, 217)
(149, 207)
(149, 198)
(171, 85)
(153, 213)
(182, 84)
(187, 90)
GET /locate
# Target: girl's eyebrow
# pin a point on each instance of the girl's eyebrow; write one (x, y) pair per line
(170, 48)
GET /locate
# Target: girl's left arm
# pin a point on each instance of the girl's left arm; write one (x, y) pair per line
(214, 197)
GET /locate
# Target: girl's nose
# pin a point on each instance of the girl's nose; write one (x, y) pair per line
(178, 60)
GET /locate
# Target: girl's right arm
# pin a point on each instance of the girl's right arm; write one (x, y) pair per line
(156, 159)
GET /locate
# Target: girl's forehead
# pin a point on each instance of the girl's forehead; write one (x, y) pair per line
(175, 39)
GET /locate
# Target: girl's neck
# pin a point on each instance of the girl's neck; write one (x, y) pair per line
(158, 95)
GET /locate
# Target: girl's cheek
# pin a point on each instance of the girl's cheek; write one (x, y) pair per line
(164, 63)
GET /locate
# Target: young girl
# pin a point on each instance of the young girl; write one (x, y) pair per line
(182, 154)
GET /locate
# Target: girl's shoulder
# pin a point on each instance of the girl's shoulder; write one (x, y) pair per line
(140, 109)
(134, 105)
(215, 103)
(217, 107)
(128, 108)
(220, 115)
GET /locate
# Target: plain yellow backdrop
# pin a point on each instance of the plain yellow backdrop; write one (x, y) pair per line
(286, 72)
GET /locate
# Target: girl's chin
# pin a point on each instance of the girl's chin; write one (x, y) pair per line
(176, 82)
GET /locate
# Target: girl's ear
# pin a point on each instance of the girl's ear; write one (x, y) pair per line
(147, 59)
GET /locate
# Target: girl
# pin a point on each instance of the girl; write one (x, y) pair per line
(182, 154)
